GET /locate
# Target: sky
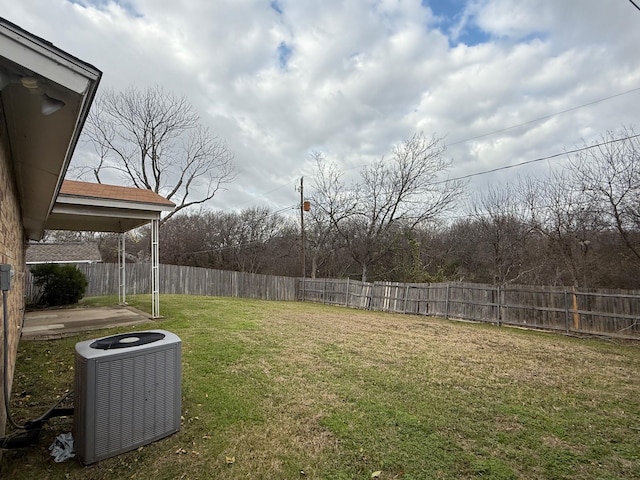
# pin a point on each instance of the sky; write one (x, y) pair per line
(501, 81)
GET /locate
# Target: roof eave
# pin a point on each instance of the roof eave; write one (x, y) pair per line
(64, 199)
(42, 146)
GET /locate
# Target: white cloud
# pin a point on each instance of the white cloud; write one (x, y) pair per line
(357, 77)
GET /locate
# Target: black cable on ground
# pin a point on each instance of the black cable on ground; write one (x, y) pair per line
(29, 432)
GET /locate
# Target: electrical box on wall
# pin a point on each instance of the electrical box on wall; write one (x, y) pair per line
(6, 274)
(127, 392)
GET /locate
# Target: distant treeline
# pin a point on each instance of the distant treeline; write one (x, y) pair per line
(578, 226)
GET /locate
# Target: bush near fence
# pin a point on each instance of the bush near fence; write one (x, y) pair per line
(572, 311)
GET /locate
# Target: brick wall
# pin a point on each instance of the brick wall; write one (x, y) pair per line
(12, 244)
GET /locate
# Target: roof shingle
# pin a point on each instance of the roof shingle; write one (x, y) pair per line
(114, 192)
(63, 253)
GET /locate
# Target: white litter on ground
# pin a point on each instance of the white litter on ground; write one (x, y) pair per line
(62, 447)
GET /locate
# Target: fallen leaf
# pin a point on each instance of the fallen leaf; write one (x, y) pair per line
(230, 460)
(376, 474)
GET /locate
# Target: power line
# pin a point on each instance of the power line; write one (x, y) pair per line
(273, 189)
(488, 214)
(463, 177)
(527, 162)
(545, 117)
(290, 207)
(634, 4)
(529, 122)
(226, 247)
(555, 155)
(241, 245)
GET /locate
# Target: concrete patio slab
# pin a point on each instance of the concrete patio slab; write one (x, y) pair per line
(45, 324)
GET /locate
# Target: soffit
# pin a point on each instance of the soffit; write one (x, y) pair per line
(41, 145)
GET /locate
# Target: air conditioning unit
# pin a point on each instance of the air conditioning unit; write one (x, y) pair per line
(127, 392)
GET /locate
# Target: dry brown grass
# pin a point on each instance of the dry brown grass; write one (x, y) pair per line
(275, 389)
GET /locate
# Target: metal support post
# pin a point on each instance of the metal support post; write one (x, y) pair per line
(122, 277)
(155, 270)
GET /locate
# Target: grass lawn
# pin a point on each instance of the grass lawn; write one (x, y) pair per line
(275, 390)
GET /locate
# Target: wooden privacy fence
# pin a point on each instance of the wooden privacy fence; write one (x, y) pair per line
(550, 308)
(103, 279)
(601, 312)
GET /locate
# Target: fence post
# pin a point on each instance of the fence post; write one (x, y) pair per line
(427, 310)
(386, 300)
(346, 295)
(499, 313)
(406, 298)
(324, 291)
(574, 304)
(566, 310)
(446, 303)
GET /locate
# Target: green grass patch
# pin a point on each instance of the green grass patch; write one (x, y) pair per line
(294, 390)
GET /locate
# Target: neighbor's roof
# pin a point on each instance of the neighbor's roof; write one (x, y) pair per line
(72, 252)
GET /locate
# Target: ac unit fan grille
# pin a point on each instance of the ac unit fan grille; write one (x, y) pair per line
(140, 402)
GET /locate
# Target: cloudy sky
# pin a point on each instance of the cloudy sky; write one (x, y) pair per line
(279, 79)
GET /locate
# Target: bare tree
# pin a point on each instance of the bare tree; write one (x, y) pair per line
(154, 140)
(393, 196)
(609, 175)
(502, 225)
(256, 229)
(458, 251)
(564, 215)
(331, 203)
(254, 240)
(68, 236)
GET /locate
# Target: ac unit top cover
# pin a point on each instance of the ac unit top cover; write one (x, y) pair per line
(125, 342)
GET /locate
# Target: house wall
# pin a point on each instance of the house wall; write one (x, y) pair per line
(12, 247)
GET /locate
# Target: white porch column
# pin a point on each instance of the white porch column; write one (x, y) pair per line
(122, 277)
(155, 270)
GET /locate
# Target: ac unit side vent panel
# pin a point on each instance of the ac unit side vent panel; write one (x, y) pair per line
(126, 397)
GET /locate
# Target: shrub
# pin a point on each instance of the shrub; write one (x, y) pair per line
(60, 284)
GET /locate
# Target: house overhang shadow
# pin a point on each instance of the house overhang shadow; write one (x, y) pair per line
(82, 206)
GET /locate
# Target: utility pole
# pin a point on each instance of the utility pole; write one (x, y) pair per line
(302, 226)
